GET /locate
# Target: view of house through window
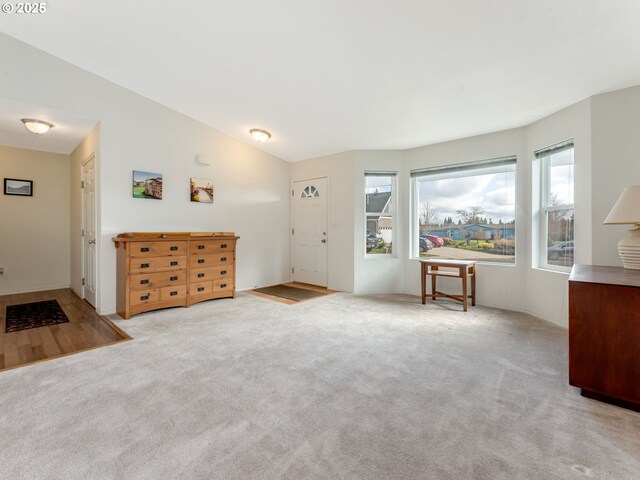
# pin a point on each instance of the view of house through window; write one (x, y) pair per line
(557, 211)
(466, 212)
(378, 201)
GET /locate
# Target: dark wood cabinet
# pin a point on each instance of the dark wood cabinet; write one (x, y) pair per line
(604, 333)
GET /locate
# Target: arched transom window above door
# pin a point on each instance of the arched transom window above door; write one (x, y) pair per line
(309, 192)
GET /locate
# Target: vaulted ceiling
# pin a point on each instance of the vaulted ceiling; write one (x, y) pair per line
(334, 75)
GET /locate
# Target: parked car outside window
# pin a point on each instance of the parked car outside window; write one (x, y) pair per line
(560, 250)
(425, 244)
(437, 241)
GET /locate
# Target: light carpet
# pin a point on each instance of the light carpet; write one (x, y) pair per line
(344, 387)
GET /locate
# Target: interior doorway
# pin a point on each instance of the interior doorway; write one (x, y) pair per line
(309, 240)
(89, 263)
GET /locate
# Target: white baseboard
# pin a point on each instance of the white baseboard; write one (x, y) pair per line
(378, 292)
(33, 289)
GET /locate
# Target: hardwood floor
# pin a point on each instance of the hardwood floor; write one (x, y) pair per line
(84, 331)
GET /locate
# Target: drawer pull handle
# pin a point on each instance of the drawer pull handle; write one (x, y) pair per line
(173, 294)
(223, 285)
(200, 275)
(173, 249)
(144, 297)
(200, 247)
(144, 265)
(201, 289)
(201, 260)
(223, 272)
(144, 282)
(173, 279)
(144, 249)
(224, 245)
(173, 264)
(223, 259)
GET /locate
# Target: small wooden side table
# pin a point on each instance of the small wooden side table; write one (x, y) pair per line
(462, 269)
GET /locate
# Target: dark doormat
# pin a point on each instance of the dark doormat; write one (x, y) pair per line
(33, 315)
(290, 293)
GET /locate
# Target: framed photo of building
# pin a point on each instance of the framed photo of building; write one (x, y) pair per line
(201, 190)
(22, 188)
(147, 185)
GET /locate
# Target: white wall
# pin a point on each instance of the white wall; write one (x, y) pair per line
(339, 169)
(547, 291)
(615, 139)
(498, 285)
(251, 187)
(379, 273)
(34, 231)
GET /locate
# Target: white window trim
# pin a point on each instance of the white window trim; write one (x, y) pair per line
(394, 216)
(545, 181)
(414, 248)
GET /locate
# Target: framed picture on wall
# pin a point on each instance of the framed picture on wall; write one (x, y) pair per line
(147, 185)
(201, 190)
(22, 188)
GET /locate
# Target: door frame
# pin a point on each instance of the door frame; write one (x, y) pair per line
(93, 157)
(291, 217)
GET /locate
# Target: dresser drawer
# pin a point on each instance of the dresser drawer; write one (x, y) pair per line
(201, 288)
(224, 284)
(156, 249)
(199, 247)
(156, 264)
(213, 273)
(206, 261)
(173, 293)
(144, 296)
(143, 281)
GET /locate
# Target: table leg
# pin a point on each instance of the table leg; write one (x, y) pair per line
(463, 274)
(423, 282)
(433, 287)
(473, 285)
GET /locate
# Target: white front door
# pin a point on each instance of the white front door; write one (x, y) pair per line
(89, 231)
(309, 232)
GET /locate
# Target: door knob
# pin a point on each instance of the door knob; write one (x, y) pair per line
(324, 240)
(91, 242)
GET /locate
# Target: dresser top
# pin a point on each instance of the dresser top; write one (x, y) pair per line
(168, 236)
(605, 275)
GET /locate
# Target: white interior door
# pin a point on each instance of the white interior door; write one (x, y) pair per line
(309, 232)
(89, 231)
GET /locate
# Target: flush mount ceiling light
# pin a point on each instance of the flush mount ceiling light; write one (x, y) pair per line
(37, 126)
(260, 135)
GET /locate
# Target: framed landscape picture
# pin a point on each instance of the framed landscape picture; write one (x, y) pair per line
(147, 185)
(201, 190)
(22, 188)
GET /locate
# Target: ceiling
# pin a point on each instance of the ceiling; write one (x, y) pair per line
(334, 75)
(68, 131)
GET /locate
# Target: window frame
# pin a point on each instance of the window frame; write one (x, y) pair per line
(472, 165)
(544, 157)
(394, 216)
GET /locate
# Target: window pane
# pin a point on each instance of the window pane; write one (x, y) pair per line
(468, 217)
(560, 237)
(379, 214)
(561, 178)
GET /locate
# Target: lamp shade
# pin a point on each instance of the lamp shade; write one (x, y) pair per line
(627, 208)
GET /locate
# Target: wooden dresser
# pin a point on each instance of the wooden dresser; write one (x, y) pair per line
(160, 270)
(604, 333)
